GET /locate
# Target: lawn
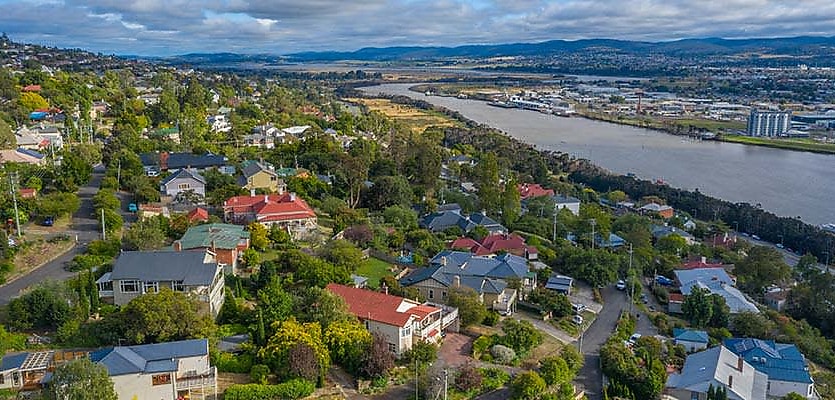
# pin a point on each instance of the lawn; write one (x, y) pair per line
(374, 269)
(790, 144)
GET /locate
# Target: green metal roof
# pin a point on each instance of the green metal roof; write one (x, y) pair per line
(222, 236)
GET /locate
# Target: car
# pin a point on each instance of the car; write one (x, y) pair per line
(577, 320)
(779, 245)
(132, 207)
(634, 338)
(621, 285)
(644, 298)
(48, 221)
(663, 280)
(755, 237)
(578, 307)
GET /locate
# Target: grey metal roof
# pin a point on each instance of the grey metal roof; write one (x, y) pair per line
(780, 361)
(713, 367)
(148, 358)
(186, 266)
(466, 263)
(690, 335)
(253, 168)
(184, 174)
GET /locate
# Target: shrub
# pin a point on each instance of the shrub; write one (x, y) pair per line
(482, 346)
(468, 378)
(661, 294)
(527, 385)
(491, 319)
(422, 352)
(227, 362)
(292, 389)
(493, 378)
(503, 354)
(259, 374)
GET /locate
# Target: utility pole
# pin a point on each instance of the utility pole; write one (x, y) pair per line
(446, 382)
(118, 174)
(631, 284)
(593, 223)
(554, 238)
(417, 393)
(12, 178)
(103, 232)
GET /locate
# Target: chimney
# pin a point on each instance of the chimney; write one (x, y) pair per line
(251, 192)
(739, 363)
(456, 281)
(177, 245)
(385, 288)
(704, 260)
(163, 161)
(443, 260)
(292, 197)
(266, 198)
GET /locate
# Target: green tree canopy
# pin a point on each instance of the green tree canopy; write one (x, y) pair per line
(164, 317)
(81, 379)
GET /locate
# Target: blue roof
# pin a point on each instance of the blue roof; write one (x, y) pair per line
(13, 361)
(32, 153)
(780, 361)
(184, 160)
(148, 358)
(478, 283)
(37, 115)
(690, 335)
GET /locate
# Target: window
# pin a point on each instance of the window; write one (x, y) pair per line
(129, 286)
(273, 179)
(177, 286)
(405, 332)
(2, 379)
(161, 379)
(431, 294)
(443, 295)
(392, 347)
(150, 287)
(183, 186)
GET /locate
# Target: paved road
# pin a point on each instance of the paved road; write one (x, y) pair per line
(590, 376)
(83, 224)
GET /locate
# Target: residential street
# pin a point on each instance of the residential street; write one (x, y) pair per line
(83, 224)
(590, 378)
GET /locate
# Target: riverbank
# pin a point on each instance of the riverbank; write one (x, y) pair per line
(785, 144)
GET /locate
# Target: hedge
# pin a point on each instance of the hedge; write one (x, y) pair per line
(290, 390)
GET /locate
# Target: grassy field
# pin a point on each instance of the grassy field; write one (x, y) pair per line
(550, 347)
(711, 125)
(801, 144)
(374, 269)
(417, 120)
(37, 253)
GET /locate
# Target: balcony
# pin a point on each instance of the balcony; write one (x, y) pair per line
(192, 381)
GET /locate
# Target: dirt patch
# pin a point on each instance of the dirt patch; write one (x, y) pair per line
(550, 347)
(417, 120)
(36, 253)
(456, 349)
(226, 379)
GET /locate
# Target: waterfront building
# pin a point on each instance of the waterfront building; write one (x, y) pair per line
(769, 123)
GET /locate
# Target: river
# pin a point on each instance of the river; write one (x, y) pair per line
(787, 183)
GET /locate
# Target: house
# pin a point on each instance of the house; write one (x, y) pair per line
(40, 137)
(692, 340)
(261, 175)
(259, 140)
(462, 159)
(784, 365)
(664, 211)
(28, 193)
(494, 244)
(227, 242)
(219, 123)
(435, 282)
(21, 155)
(198, 214)
(401, 321)
(138, 272)
(165, 161)
(296, 131)
(172, 370)
(26, 371)
(152, 210)
(531, 190)
(285, 210)
(717, 367)
(613, 241)
(662, 231)
(443, 220)
(716, 281)
(172, 134)
(775, 298)
(570, 203)
(183, 181)
(560, 283)
(504, 266)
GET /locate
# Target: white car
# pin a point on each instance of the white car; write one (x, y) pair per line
(578, 307)
(621, 285)
(577, 320)
(634, 338)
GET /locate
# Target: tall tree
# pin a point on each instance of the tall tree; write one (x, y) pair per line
(489, 192)
(81, 379)
(511, 203)
(698, 307)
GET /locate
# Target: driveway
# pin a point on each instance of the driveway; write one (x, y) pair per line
(590, 378)
(84, 225)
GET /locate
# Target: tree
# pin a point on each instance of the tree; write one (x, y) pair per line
(7, 137)
(698, 307)
(378, 359)
(470, 309)
(762, 267)
(347, 342)
(31, 101)
(251, 258)
(58, 204)
(311, 271)
(468, 378)
(400, 217)
(145, 234)
(751, 324)
(572, 358)
(275, 304)
(790, 396)
(258, 236)
(555, 371)
(45, 307)
(81, 379)
(488, 182)
(302, 362)
(389, 191)
(511, 203)
(720, 312)
(521, 336)
(527, 385)
(164, 317)
(288, 334)
(112, 219)
(342, 253)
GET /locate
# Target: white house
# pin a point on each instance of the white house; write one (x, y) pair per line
(785, 366)
(401, 321)
(183, 181)
(717, 367)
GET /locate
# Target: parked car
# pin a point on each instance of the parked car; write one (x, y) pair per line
(663, 280)
(578, 307)
(634, 338)
(755, 237)
(621, 285)
(779, 245)
(644, 298)
(48, 221)
(132, 207)
(577, 320)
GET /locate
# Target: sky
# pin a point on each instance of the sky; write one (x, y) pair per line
(169, 27)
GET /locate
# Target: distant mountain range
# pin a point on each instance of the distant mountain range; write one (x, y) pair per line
(793, 46)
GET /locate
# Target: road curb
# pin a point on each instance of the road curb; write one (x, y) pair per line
(57, 256)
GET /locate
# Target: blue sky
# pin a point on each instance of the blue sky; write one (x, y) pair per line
(166, 27)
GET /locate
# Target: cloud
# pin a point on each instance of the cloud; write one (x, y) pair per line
(164, 27)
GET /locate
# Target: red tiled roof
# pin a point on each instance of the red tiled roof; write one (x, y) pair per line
(198, 214)
(676, 297)
(527, 190)
(28, 192)
(699, 264)
(379, 307)
(270, 208)
(32, 88)
(492, 244)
